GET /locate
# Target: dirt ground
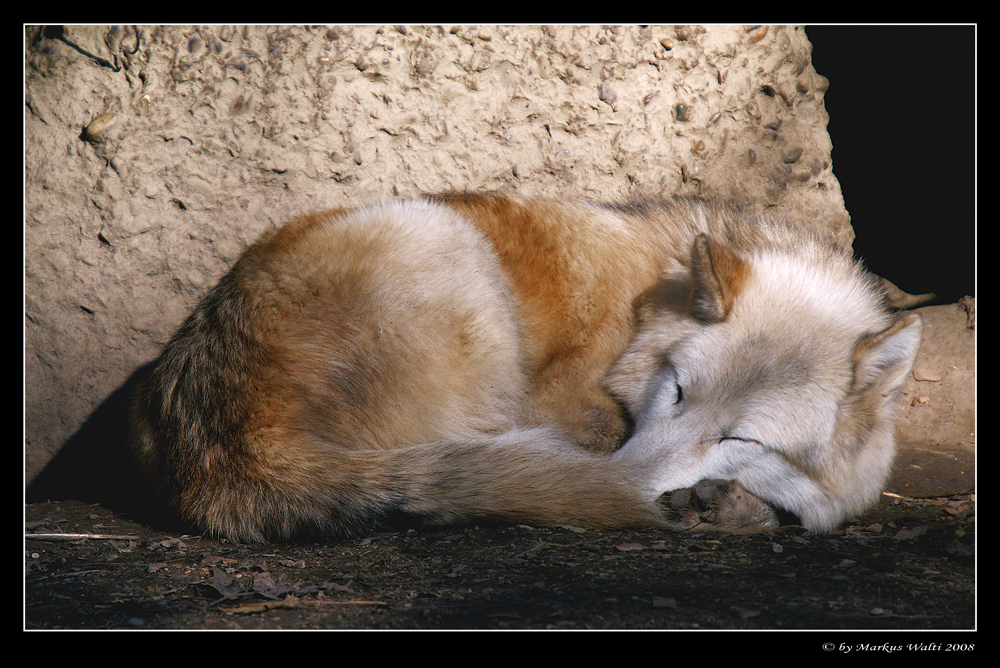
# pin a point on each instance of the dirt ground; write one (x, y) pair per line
(907, 565)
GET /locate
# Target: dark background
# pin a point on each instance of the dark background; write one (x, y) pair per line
(902, 105)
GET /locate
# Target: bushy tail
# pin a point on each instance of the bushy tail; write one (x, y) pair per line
(529, 476)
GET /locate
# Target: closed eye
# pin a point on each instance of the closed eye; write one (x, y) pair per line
(668, 382)
(726, 436)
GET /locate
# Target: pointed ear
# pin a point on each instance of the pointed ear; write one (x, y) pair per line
(718, 277)
(882, 360)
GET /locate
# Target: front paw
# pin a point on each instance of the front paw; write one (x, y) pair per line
(718, 504)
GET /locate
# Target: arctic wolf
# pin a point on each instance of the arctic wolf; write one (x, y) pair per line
(476, 357)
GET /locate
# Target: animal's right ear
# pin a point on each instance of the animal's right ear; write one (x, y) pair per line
(718, 277)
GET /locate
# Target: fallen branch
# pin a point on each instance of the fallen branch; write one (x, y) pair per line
(78, 536)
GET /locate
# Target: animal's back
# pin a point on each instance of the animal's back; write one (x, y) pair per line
(341, 332)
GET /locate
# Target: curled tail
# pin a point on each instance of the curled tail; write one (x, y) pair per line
(528, 476)
(301, 488)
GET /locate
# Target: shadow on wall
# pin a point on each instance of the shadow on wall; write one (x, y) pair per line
(96, 465)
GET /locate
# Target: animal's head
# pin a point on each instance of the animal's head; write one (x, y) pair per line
(776, 369)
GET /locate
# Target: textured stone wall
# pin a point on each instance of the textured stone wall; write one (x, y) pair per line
(154, 155)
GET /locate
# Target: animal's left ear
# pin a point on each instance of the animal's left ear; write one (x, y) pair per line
(718, 277)
(883, 360)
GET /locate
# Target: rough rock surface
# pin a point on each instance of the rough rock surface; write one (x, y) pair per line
(154, 155)
(936, 447)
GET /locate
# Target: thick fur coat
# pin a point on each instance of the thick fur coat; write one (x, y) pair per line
(478, 357)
